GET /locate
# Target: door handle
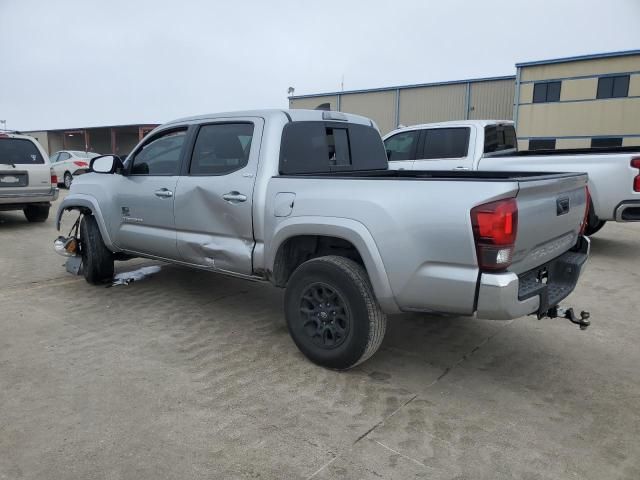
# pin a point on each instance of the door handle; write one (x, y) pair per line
(461, 168)
(234, 197)
(163, 193)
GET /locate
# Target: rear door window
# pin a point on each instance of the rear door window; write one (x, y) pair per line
(19, 151)
(221, 148)
(402, 146)
(446, 143)
(499, 137)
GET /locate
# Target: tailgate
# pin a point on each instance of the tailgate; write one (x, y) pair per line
(551, 209)
(31, 179)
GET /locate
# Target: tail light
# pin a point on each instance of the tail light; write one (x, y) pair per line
(586, 210)
(80, 164)
(635, 163)
(54, 178)
(495, 226)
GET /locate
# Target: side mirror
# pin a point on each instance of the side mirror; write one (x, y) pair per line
(106, 164)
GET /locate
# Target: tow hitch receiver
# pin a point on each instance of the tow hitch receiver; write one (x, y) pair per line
(583, 322)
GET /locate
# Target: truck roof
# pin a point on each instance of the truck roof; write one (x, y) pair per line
(452, 123)
(270, 113)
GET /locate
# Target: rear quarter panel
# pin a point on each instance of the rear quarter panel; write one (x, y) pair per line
(421, 230)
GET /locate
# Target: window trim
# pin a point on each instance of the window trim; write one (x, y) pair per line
(185, 171)
(555, 143)
(613, 78)
(546, 93)
(607, 138)
(414, 148)
(134, 152)
(423, 142)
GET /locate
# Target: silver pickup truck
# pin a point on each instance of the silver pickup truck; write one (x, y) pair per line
(614, 173)
(304, 200)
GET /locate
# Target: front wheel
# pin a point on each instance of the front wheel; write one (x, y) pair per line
(97, 259)
(332, 314)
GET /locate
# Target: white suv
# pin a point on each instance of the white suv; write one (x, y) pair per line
(27, 181)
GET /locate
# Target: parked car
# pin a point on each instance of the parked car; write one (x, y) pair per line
(67, 163)
(614, 173)
(27, 181)
(303, 199)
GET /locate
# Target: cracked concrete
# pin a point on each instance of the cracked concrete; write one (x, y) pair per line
(192, 375)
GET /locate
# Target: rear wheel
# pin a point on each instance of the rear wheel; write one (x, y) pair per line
(97, 259)
(36, 213)
(332, 314)
(67, 180)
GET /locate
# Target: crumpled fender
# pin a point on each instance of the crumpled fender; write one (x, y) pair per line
(79, 201)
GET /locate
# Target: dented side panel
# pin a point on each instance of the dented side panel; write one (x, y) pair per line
(213, 214)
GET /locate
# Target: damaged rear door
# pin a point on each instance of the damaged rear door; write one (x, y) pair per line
(213, 203)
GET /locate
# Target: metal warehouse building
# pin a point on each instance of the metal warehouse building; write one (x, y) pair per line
(592, 100)
(423, 103)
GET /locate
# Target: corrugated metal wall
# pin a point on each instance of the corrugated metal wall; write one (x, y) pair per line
(492, 100)
(432, 104)
(312, 103)
(379, 106)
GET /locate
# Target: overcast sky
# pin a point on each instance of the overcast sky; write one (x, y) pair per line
(90, 63)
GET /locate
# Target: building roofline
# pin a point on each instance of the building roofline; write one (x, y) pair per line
(402, 87)
(91, 128)
(593, 56)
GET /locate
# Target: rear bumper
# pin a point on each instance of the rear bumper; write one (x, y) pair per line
(504, 296)
(19, 201)
(628, 211)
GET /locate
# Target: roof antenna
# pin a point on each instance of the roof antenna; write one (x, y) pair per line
(342, 83)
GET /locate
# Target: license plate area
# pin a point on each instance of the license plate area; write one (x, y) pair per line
(18, 179)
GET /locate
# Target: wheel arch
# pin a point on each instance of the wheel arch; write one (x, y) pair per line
(86, 204)
(319, 236)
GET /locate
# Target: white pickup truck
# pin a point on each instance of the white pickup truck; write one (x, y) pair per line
(614, 173)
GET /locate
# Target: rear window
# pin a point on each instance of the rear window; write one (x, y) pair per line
(320, 147)
(499, 137)
(446, 143)
(19, 151)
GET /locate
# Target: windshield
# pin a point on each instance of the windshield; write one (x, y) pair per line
(19, 151)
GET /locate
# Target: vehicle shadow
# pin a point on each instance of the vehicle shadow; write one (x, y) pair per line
(418, 349)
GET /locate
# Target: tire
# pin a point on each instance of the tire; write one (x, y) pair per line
(36, 213)
(348, 325)
(97, 259)
(67, 180)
